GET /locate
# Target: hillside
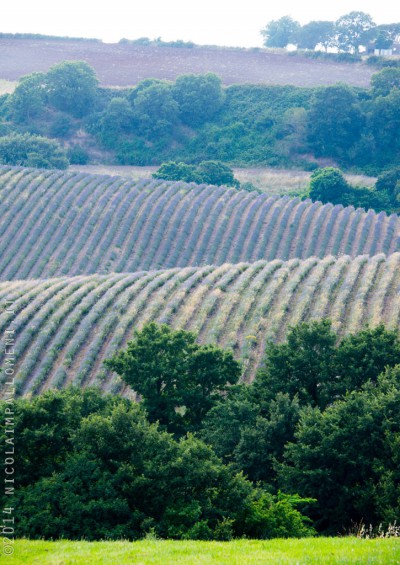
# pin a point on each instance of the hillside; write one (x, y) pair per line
(65, 327)
(126, 65)
(56, 224)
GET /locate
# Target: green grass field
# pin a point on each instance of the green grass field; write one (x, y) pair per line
(242, 552)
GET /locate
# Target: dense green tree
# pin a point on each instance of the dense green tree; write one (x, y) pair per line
(215, 172)
(199, 97)
(302, 365)
(279, 33)
(72, 87)
(28, 99)
(347, 457)
(92, 466)
(389, 183)
(384, 124)
(353, 30)
(32, 151)
(385, 80)
(364, 355)
(177, 172)
(208, 172)
(315, 33)
(45, 424)
(335, 121)
(318, 367)
(154, 109)
(328, 185)
(249, 430)
(116, 119)
(178, 379)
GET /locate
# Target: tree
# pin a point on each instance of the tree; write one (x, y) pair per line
(154, 109)
(279, 33)
(384, 124)
(383, 82)
(28, 99)
(363, 356)
(208, 172)
(91, 466)
(389, 182)
(328, 185)
(72, 87)
(315, 33)
(199, 97)
(383, 41)
(335, 121)
(215, 172)
(177, 172)
(32, 151)
(178, 379)
(115, 120)
(353, 30)
(347, 457)
(302, 365)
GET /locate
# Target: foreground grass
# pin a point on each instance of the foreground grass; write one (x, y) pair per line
(242, 552)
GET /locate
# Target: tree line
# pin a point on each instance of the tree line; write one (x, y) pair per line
(348, 34)
(195, 119)
(311, 446)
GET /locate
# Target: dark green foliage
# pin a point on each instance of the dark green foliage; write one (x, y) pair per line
(61, 126)
(348, 457)
(93, 467)
(214, 172)
(77, 155)
(328, 185)
(317, 369)
(177, 171)
(32, 151)
(29, 98)
(334, 121)
(154, 109)
(178, 379)
(249, 430)
(72, 87)
(389, 183)
(199, 97)
(383, 82)
(384, 124)
(302, 365)
(361, 357)
(208, 172)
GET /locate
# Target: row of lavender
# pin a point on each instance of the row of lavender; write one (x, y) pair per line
(67, 326)
(56, 224)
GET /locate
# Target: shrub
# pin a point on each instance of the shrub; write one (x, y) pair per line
(32, 151)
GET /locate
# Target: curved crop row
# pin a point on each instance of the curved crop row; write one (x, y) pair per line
(56, 224)
(65, 327)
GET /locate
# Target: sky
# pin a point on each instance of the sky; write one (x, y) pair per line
(216, 22)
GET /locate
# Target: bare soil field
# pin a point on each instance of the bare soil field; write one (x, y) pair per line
(126, 65)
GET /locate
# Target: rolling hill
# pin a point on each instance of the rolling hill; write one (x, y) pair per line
(65, 327)
(68, 224)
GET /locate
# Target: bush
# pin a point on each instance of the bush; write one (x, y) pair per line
(208, 172)
(77, 155)
(32, 151)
